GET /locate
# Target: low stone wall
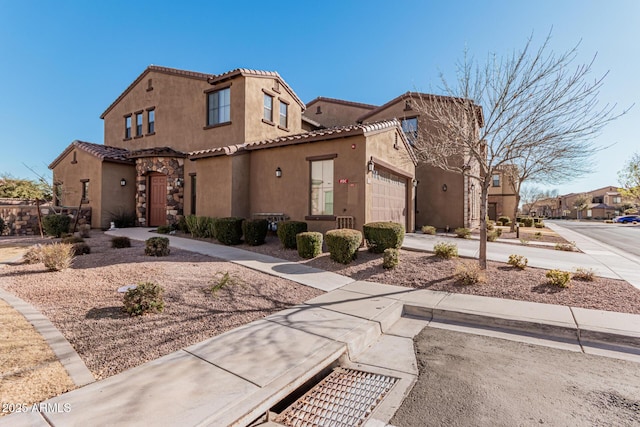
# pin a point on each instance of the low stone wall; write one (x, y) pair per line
(22, 219)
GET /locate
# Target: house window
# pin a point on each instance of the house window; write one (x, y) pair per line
(138, 124)
(322, 187)
(151, 121)
(85, 190)
(495, 180)
(284, 108)
(127, 127)
(617, 200)
(410, 129)
(193, 194)
(219, 107)
(268, 107)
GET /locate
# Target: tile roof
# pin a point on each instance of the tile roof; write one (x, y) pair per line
(103, 152)
(343, 102)
(156, 152)
(307, 137)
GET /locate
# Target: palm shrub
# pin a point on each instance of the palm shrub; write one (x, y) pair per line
(343, 244)
(383, 235)
(309, 244)
(390, 258)
(157, 246)
(229, 230)
(428, 229)
(255, 231)
(57, 256)
(287, 232)
(56, 225)
(463, 233)
(445, 250)
(120, 242)
(147, 297)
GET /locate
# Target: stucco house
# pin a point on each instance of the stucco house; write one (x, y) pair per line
(502, 200)
(179, 142)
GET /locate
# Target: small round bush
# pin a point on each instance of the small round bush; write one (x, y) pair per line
(559, 278)
(309, 244)
(84, 230)
(81, 248)
(58, 256)
(445, 250)
(518, 261)
(584, 274)
(383, 235)
(229, 230)
(490, 225)
(144, 298)
(56, 225)
(287, 232)
(157, 246)
(463, 233)
(33, 255)
(492, 236)
(120, 242)
(527, 222)
(428, 229)
(539, 224)
(469, 273)
(504, 220)
(343, 244)
(255, 231)
(391, 258)
(72, 239)
(164, 229)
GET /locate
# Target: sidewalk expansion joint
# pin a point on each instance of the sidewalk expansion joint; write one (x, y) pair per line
(222, 369)
(577, 329)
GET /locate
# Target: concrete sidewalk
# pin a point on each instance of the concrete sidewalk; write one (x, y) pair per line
(236, 377)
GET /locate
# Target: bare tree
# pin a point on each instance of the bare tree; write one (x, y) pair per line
(629, 178)
(538, 113)
(534, 197)
(581, 203)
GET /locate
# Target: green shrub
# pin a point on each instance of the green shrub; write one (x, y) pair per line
(157, 246)
(518, 261)
(123, 219)
(391, 258)
(56, 225)
(120, 242)
(287, 231)
(164, 229)
(504, 220)
(33, 255)
(428, 229)
(383, 235)
(222, 280)
(445, 250)
(469, 273)
(146, 297)
(568, 247)
(181, 225)
(539, 224)
(228, 231)
(200, 226)
(559, 278)
(343, 244)
(527, 222)
(255, 231)
(490, 225)
(2, 226)
(492, 236)
(309, 244)
(81, 248)
(463, 233)
(84, 230)
(57, 256)
(584, 274)
(498, 231)
(72, 239)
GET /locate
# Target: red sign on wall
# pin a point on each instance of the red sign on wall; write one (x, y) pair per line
(343, 181)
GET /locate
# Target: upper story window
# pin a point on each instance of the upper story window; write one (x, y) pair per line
(139, 124)
(127, 127)
(495, 180)
(219, 107)
(617, 200)
(284, 114)
(151, 121)
(410, 129)
(268, 108)
(321, 192)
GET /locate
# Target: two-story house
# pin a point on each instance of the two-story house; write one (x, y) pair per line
(502, 200)
(235, 144)
(601, 203)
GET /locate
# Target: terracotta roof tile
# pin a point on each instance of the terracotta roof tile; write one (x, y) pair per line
(342, 101)
(156, 152)
(102, 152)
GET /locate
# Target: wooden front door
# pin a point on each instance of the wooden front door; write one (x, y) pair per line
(157, 200)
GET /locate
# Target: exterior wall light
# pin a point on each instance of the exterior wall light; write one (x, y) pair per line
(370, 165)
(444, 187)
(414, 182)
(278, 172)
(123, 182)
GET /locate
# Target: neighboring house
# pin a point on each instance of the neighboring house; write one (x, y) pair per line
(443, 199)
(502, 199)
(236, 144)
(601, 203)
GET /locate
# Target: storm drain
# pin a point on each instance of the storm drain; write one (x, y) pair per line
(346, 397)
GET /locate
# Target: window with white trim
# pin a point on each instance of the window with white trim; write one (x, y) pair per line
(321, 192)
(219, 107)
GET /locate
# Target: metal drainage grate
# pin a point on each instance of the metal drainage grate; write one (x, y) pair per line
(346, 397)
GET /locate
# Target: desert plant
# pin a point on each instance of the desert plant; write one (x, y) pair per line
(559, 278)
(518, 261)
(228, 231)
(584, 274)
(469, 273)
(255, 231)
(391, 258)
(164, 229)
(309, 244)
(569, 247)
(72, 239)
(120, 242)
(428, 229)
(383, 235)
(463, 233)
(222, 280)
(504, 220)
(492, 236)
(524, 241)
(538, 235)
(56, 225)
(147, 297)
(539, 224)
(200, 226)
(527, 222)
(287, 231)
(343, 244)
(81, 248)
(498, 231)
(57, 256)
(157, 246)
(490, 225)
(84, 230)
(445, 250)
(33, 255)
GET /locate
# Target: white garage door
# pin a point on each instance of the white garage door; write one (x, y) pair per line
(389, 197)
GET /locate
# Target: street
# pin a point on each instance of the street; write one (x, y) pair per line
(625, 237)
(468, 379)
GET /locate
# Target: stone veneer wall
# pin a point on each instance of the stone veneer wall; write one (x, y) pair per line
(22, 219)
(174, 169)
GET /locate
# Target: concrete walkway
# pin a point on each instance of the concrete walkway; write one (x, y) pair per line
(236, 377)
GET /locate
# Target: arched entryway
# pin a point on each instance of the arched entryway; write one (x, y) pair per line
(157, 212)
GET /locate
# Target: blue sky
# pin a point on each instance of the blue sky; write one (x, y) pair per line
(62, 63)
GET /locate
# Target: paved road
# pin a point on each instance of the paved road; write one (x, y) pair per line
(471, 380)
(625, 237)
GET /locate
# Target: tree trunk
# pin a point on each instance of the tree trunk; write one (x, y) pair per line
(515, 213)
(484, 198)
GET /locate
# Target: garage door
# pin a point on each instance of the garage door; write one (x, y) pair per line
(389, 197)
